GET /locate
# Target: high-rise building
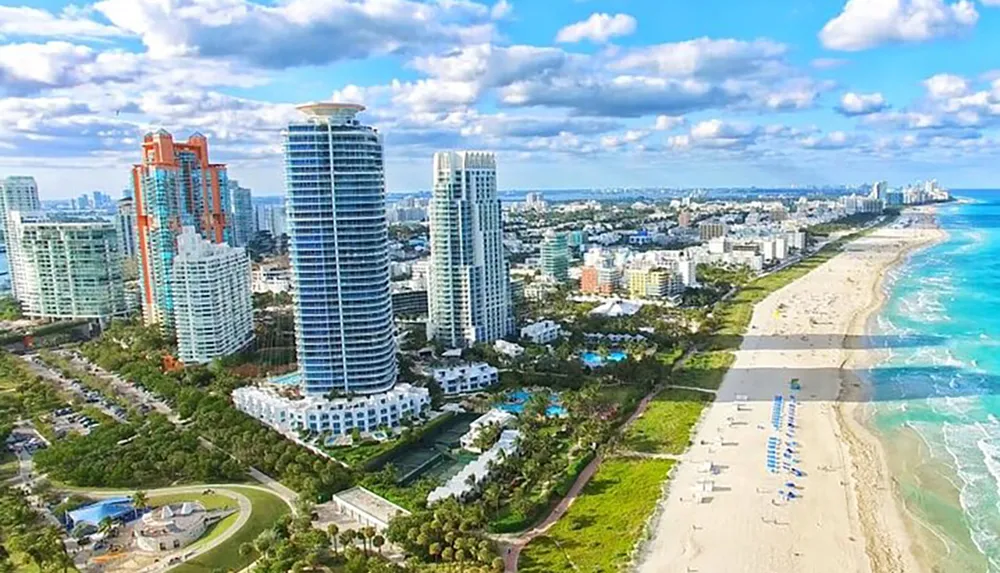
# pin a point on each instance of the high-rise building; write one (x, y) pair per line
(555, 256)
(470, 280)
(879, 190)
(339, 251)
(68, 268)
(125, 222)
(175, 186)
(213, 305)
(684, 219)
(241, 214)
(16, 194)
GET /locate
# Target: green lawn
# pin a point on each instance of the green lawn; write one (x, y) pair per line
(665, 426)
(267, 508)
(209, 501)
(603, 525)
(704, 369)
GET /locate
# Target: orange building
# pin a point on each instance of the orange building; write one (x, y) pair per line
(175, 185)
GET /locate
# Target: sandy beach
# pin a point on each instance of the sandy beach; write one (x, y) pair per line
(725, 511)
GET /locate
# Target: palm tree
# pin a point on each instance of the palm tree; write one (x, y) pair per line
(140, 500)
(332, 530)
(368, 533)
(347, 537)
(378, 541)
(105, 526)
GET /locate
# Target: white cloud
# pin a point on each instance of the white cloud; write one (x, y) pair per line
(717, 133)
(942, 86)
(298, 32)
(852, 104)
(831, 141)
(866, 24)
(667, 122)
(599, 28)
(706, 57)
(71, 23)
(828, 63)
(501, 10)
(629, 137)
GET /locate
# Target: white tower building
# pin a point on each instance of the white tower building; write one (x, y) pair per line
(213, 308)
(469, 299)
(16, 194)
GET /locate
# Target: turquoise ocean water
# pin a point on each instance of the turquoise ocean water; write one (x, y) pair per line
(941, 381)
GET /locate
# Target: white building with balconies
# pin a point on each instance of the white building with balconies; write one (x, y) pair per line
(466, 377)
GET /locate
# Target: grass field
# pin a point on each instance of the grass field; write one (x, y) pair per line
(704, 369)
(267, 508)
(665, 426)
(603, 525)
(210, 501)
(8, 465)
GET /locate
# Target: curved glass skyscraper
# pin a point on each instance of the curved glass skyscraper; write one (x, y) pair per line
(335, 193)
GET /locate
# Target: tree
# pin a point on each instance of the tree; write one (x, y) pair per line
(332, 530)
(105, 526)
(140, 500)
(378, 541)
(347, 538)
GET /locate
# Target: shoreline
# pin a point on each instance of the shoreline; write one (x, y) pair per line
(844, 516)
(880, 506)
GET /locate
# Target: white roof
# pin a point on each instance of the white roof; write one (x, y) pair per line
(479, 468)
(616, 308)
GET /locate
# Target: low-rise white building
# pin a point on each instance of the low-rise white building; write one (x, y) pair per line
(465, 378)
(474, 474)
(494, 417)
(287, 411)
(272, 280)
(367, 508)
(174, 526)
(541, 332)
(508, 349)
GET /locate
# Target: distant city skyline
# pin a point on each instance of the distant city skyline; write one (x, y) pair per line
(565, 93)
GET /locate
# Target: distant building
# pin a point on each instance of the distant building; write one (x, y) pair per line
(708, 230)
(466, 378)
(576, 239)
(555, 256)
(366, 508)
(469, 294)
(684, 219)
(409, 302)
(16, 194)
(541, 332)
(653, 283)
(270, 279)
(508, 349)
(241, 215)
(125, 223)
(213, 309)
(599, 280)
(67, 269)
(175, 186)
(474, 474)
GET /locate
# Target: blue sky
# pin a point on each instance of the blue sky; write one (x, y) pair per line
(569, 93)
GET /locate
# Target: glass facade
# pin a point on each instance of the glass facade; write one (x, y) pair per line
(338, 246)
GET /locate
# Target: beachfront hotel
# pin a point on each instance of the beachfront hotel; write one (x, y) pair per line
(469, 287)
(69, 268)
(175, 186)
(339, 253)
(213, 306)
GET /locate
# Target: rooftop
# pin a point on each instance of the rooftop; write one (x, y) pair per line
(370, 503)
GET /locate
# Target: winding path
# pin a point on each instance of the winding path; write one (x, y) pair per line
(514, 544)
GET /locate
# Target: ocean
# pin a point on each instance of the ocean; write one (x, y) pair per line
(936, 396)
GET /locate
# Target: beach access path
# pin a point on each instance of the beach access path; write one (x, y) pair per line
(723, 510)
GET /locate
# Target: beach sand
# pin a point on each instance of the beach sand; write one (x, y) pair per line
(845, 517)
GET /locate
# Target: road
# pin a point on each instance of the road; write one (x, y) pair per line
(40, 368)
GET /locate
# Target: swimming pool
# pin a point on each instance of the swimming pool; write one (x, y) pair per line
(594, 360)
(515, 404)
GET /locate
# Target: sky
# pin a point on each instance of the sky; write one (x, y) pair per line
(568, 93)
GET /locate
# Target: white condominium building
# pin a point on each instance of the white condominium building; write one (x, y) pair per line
(469, 285)
(213, 309)
(16, 194)
(466, 377)
(66, 269)
(288, 411)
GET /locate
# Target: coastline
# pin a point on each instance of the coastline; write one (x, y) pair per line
(880, 507)
(845, 516)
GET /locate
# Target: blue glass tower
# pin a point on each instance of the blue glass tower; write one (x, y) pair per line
(338, 245)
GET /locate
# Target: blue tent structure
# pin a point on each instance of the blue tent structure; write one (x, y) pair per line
(120, 508)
